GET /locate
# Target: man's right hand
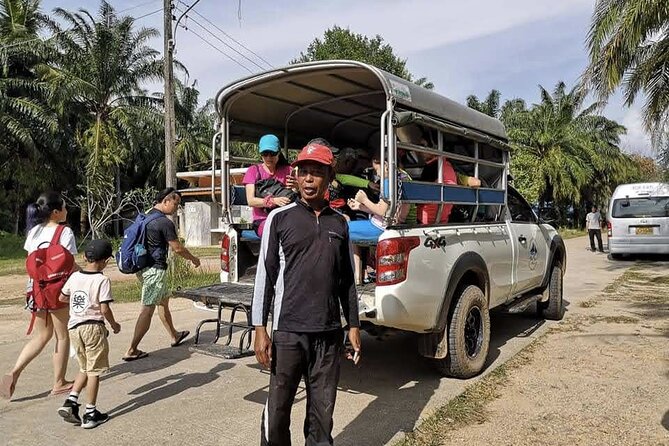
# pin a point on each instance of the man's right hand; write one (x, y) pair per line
(196, 261)
(263, 347)
(116, 327)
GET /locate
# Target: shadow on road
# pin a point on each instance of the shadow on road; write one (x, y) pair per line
(168, 387)
(402, 382)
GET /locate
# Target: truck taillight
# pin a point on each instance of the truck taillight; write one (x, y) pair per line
(608, 227)
(225, 253)
(392, 259)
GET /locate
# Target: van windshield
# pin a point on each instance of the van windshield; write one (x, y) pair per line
(642, 207)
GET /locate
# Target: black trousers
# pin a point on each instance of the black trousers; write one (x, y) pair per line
(592, 233)
(316, 357)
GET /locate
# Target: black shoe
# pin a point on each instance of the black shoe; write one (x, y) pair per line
(93, 419)
(70, 412)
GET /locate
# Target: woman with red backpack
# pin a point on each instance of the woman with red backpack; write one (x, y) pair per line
(45, 226)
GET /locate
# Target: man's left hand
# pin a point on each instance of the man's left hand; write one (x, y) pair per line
(356, 344)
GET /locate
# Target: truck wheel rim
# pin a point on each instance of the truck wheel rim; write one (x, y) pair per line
(473, 332)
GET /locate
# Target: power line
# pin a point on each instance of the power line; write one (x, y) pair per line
(233, 39)
(219, 50)
(137, 6)
(225, 43)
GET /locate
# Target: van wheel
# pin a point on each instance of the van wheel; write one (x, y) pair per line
(553, 308)
(468, 335)
(615, 256)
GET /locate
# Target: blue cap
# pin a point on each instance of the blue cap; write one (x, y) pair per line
(268, 143)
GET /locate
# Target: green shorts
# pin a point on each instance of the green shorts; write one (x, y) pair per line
(154, 285)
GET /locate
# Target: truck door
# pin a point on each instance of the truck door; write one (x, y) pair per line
(530, 249)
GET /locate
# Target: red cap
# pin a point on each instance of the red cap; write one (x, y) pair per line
(317, 153)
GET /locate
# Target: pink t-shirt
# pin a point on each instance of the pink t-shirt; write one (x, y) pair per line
(257, 173)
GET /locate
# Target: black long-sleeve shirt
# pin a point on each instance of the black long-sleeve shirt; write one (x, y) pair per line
(305, 266)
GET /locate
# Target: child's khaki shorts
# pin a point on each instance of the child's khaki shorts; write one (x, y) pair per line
(90, 343)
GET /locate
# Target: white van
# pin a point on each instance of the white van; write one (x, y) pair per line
(638, 219)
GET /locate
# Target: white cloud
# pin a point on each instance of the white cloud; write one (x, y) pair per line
(408, 27)
(636, 140)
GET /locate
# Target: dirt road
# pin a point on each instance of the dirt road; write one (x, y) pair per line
(176, 396)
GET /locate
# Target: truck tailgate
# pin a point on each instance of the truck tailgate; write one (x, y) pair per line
(229, 294)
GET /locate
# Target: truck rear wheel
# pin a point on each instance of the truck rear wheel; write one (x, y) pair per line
(468, 335)
(553, 308)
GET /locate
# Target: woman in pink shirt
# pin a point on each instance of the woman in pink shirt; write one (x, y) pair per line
(274, 165)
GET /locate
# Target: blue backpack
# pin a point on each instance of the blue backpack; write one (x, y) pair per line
(133, 254)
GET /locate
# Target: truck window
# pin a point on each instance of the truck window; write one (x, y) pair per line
(520, 211)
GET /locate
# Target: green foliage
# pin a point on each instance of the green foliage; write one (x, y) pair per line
(12, 255)
(341, 43)
(629, 48)
(564, 153)
(180, 275)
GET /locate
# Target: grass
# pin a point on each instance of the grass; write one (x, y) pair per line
(206, 251)
(181, 275)
(470, 406)
(12, 255)
(568, 233)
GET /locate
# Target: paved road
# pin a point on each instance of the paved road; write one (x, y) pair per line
(177, 397)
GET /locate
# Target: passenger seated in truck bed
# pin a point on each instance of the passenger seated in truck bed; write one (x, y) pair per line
(427, 213)
(368, 231)
(346, 185)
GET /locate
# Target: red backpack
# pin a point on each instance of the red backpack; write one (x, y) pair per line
(49, 267)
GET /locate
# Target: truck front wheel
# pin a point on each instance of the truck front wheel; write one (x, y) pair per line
(468, 335)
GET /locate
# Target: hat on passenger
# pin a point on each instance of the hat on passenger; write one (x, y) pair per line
(317, 153)
(98, 250)
(268, 143)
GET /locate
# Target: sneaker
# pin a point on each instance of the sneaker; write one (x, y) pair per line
(70, 412)
(93, 419)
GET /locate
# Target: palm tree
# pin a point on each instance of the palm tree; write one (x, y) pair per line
(102, 65)
(489, 106)
(629, 47)
(98, 76)
(27, 123)
(569, 146)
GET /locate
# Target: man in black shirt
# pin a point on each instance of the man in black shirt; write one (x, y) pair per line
(160, 236)
(305, 268)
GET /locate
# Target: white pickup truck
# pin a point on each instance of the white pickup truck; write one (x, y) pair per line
(439, 280)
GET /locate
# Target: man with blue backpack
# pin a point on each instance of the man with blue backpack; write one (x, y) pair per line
(144, 252)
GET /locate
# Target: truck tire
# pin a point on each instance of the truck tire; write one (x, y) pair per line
(553, 308)
(468, 335)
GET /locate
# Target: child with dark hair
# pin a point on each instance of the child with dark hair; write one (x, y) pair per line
(44, 216)
(89, 295)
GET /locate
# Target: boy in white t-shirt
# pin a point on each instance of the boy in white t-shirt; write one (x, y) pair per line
(89, 294)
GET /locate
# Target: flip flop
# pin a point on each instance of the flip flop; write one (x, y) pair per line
(7, 387)
(139, 355)
(62, 391)
(183, 335)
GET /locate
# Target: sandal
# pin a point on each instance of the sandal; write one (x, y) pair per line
(183, 335)
(138, 355)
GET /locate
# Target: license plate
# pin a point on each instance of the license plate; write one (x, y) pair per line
(644, 231)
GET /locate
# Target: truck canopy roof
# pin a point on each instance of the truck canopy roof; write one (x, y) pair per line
(340, 100)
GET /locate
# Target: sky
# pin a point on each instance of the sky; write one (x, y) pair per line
(463, 47)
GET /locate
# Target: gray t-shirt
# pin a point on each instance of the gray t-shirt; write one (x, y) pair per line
(593, 220)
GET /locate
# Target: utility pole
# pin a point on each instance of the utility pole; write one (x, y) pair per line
(168, 72)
